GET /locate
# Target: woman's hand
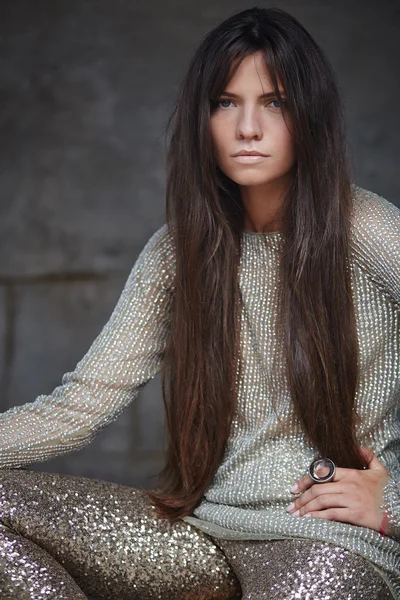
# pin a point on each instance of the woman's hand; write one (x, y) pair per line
(353, 496)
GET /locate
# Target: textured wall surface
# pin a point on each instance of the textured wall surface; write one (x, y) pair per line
(86, 87)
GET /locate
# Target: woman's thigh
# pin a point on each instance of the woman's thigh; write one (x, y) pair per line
(291, 569)
(64, 536)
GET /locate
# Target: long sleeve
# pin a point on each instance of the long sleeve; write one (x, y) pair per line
(126, 354)
(377, 251)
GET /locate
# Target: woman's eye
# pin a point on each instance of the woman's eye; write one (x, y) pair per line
(219, 102)
(280, 104)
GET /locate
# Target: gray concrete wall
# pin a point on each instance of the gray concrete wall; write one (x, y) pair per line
(86, 87)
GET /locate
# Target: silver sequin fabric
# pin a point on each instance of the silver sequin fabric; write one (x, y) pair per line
(391, 504)
(299, 569)
(265, 454)
(64, 537)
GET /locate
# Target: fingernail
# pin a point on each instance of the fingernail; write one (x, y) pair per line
(296, 514)
(291, 507)
(295, 489)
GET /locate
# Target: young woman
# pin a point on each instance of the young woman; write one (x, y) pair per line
(270, 300)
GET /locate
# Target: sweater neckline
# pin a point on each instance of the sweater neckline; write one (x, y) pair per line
(262, 235)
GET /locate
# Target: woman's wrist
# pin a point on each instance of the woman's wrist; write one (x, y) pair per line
(386, 528)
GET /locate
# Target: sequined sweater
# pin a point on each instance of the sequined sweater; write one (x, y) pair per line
(265, 455)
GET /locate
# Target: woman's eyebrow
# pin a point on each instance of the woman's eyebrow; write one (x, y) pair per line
(267, 95)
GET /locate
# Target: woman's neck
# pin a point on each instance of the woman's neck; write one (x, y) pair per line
(262, 210)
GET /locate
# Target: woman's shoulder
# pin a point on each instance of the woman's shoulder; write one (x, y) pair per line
(375, 238)
(160, 240)
(156, 261)
(159, 246)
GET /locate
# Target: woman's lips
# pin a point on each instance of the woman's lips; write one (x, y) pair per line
(249, 159)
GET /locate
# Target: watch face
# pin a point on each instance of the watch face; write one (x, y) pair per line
(322, 470)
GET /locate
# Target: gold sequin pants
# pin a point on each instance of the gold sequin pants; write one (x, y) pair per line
(64, 537)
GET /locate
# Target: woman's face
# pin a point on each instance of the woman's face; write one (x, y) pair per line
(244, 120)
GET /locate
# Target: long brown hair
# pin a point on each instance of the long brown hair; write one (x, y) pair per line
(205, 218)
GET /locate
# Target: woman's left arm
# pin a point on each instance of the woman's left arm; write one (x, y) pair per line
(368, 498)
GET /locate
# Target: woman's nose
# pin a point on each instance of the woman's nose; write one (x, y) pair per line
(248, 125)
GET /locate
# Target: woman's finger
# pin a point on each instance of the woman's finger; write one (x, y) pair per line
(322, 502)
(302, 484)
(306, 482)
(316, 491)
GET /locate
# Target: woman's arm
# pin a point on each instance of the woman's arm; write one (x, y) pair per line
(126, 354)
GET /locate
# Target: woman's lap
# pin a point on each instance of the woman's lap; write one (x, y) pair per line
(65, 537)
(101, 538)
